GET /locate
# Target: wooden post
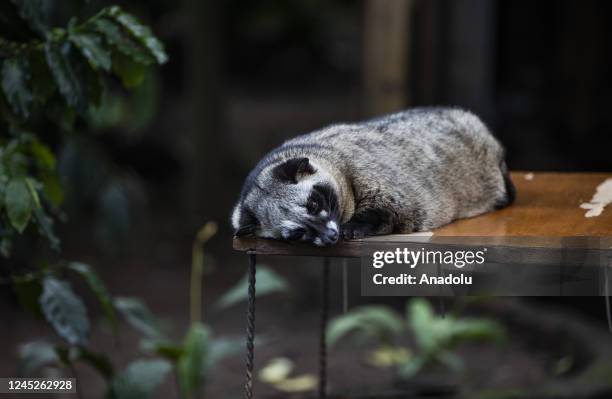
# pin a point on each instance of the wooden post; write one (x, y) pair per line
(386, 55)
(470, 56)
(205, 136)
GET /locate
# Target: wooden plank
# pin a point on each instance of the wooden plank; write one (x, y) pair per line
(546, 214)
(548, 205)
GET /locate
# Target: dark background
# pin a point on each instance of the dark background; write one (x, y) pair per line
(245, 75)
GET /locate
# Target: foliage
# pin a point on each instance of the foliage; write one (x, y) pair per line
(435, 336)
(190, 360)
(268, 282)
(368, 322)
(35, 355)
(57, 75)
(139, 379)
(98, 288)
(190, 365)
(64, 310)
(138, 315)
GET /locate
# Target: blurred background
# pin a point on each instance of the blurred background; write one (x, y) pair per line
(153, 165)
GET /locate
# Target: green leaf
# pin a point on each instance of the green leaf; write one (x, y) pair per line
(43, 155)
(52, 188)
(15, 76)
(132, 73)
(122, 40)
(15, 160)
(468, 329)
(141, 32)
(190, 367)
(65, 76)
(45, 228)
(268, 282)
(140, 379)
(19, 203)
(98, 361)
(64, 310)
(162, 348)
(138, 315)
(373, 321)
(33, 187)
(6, 245)
(412, 367)
(421, 318)
(99, 289)
(92, 48)
(33, 355)
(435, 334)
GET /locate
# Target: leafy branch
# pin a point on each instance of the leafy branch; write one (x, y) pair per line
(61, 68)
(48, 293)
(435, 336)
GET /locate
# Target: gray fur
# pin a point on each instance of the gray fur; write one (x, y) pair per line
(410, 171)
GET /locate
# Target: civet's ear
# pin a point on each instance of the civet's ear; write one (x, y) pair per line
(248, 224)
(293, 169)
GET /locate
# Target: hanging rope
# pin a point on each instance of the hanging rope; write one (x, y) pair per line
(250, 330)
(322, 340)
(607, 292)
(344, 285)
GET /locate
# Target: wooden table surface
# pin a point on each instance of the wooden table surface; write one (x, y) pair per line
(546, 211)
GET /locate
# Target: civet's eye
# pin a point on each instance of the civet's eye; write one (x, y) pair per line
(312, 206)
(296, 234)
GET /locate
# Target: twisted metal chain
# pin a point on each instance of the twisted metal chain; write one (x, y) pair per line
(607, 267)
(322, 335)
(344, 285)
(250, 329)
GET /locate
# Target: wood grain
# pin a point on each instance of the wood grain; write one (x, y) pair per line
(547, 205)
(546, 214)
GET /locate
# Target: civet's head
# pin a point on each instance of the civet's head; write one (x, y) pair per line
(294, 200)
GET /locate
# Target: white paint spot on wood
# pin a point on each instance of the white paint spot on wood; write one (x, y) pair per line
(602, 197)
(529, 176)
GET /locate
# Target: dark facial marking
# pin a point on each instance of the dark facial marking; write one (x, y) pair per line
(296, 234)
(323, 197)
(290, 169)
(314, 206)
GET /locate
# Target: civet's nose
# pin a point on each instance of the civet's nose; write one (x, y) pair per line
(329, 237)
(332, 235)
